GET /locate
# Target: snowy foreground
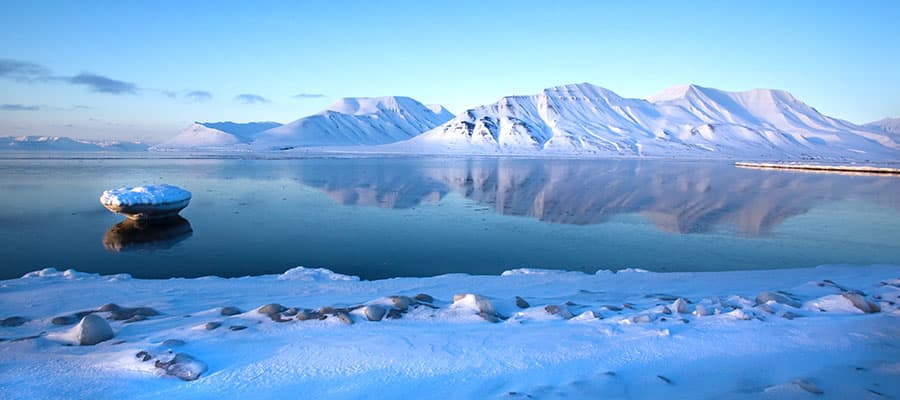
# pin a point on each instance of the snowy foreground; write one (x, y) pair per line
(826, 332)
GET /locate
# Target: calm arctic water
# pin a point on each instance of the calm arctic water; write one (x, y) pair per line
(379, 218)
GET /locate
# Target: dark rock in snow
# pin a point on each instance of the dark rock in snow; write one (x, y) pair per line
(553, 309)
(861, 303)
(212, 325)
(290, 312)
(143, 356)
(521, 303)
(183, 366)
(108, 307)
(229, 311)
(790, 315)
(13, 322)
(778, 297)
(92, 330)
(64, 320)
(664, 379)
(424, 298)
(393, 313)
(136, 318)
(272, 308)
(401, 303)
(303, 315)
(123, 313)
(237, 327)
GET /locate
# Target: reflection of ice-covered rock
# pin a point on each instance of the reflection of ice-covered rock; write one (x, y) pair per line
(130, 235)
(146, 202)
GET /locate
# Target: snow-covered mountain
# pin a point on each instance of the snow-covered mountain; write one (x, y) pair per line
(356, 121)
(891, 125)
(214, 135)
(60, 143)
(683, 121)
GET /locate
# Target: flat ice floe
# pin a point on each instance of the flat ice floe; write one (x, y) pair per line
(827, 332)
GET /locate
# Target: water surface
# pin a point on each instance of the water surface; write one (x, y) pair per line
(385, 217)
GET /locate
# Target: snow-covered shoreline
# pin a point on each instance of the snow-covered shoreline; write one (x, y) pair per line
(629, 335)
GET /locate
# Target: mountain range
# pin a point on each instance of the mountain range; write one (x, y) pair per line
(356, 121)
(577, 120)
(683, 121)
(58, 143)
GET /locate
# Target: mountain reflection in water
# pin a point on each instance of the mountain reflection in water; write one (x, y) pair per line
(681, 197)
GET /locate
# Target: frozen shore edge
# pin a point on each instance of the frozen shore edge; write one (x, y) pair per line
(528, 333)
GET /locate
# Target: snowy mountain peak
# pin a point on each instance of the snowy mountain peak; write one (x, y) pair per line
(354, 121)
(687, 120)
(62, 143)
(214, 135)
(373, 105)
(890, 125)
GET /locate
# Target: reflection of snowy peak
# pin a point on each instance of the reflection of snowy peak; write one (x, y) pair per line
(682, 121)
(200, 135)
(357, 121)
(57, 143)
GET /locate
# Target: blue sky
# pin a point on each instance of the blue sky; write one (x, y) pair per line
(144, 70)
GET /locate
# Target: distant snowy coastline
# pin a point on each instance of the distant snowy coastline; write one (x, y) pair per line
(528, 333)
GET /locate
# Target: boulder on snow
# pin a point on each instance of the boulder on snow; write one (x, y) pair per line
(374, 312)
(272, 308)
(482, 305)
(92, 330)
(229, 311)
(424, 298)
(861, 303)
(182, 366)
(13, 321)
(765, 297)
(521, 303)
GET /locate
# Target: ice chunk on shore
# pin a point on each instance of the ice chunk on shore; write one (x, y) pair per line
(314, 275)
(145, 195)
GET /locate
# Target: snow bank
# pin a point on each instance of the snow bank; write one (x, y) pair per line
(527, 334)
(145, 195)
(314, 275)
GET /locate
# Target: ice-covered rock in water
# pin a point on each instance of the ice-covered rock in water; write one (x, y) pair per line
(146, 202)
(91, 330)
(182, 366)
(765, 297)
(861, 303)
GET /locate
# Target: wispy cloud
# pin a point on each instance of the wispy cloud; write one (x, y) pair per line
(309, 96)
(249, 98)
(22, 70)
(29, 72)
(18, 107)
(102, 84)
(198, 96)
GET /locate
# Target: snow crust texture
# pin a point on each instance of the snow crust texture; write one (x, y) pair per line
(145, 195)
(827, 332)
